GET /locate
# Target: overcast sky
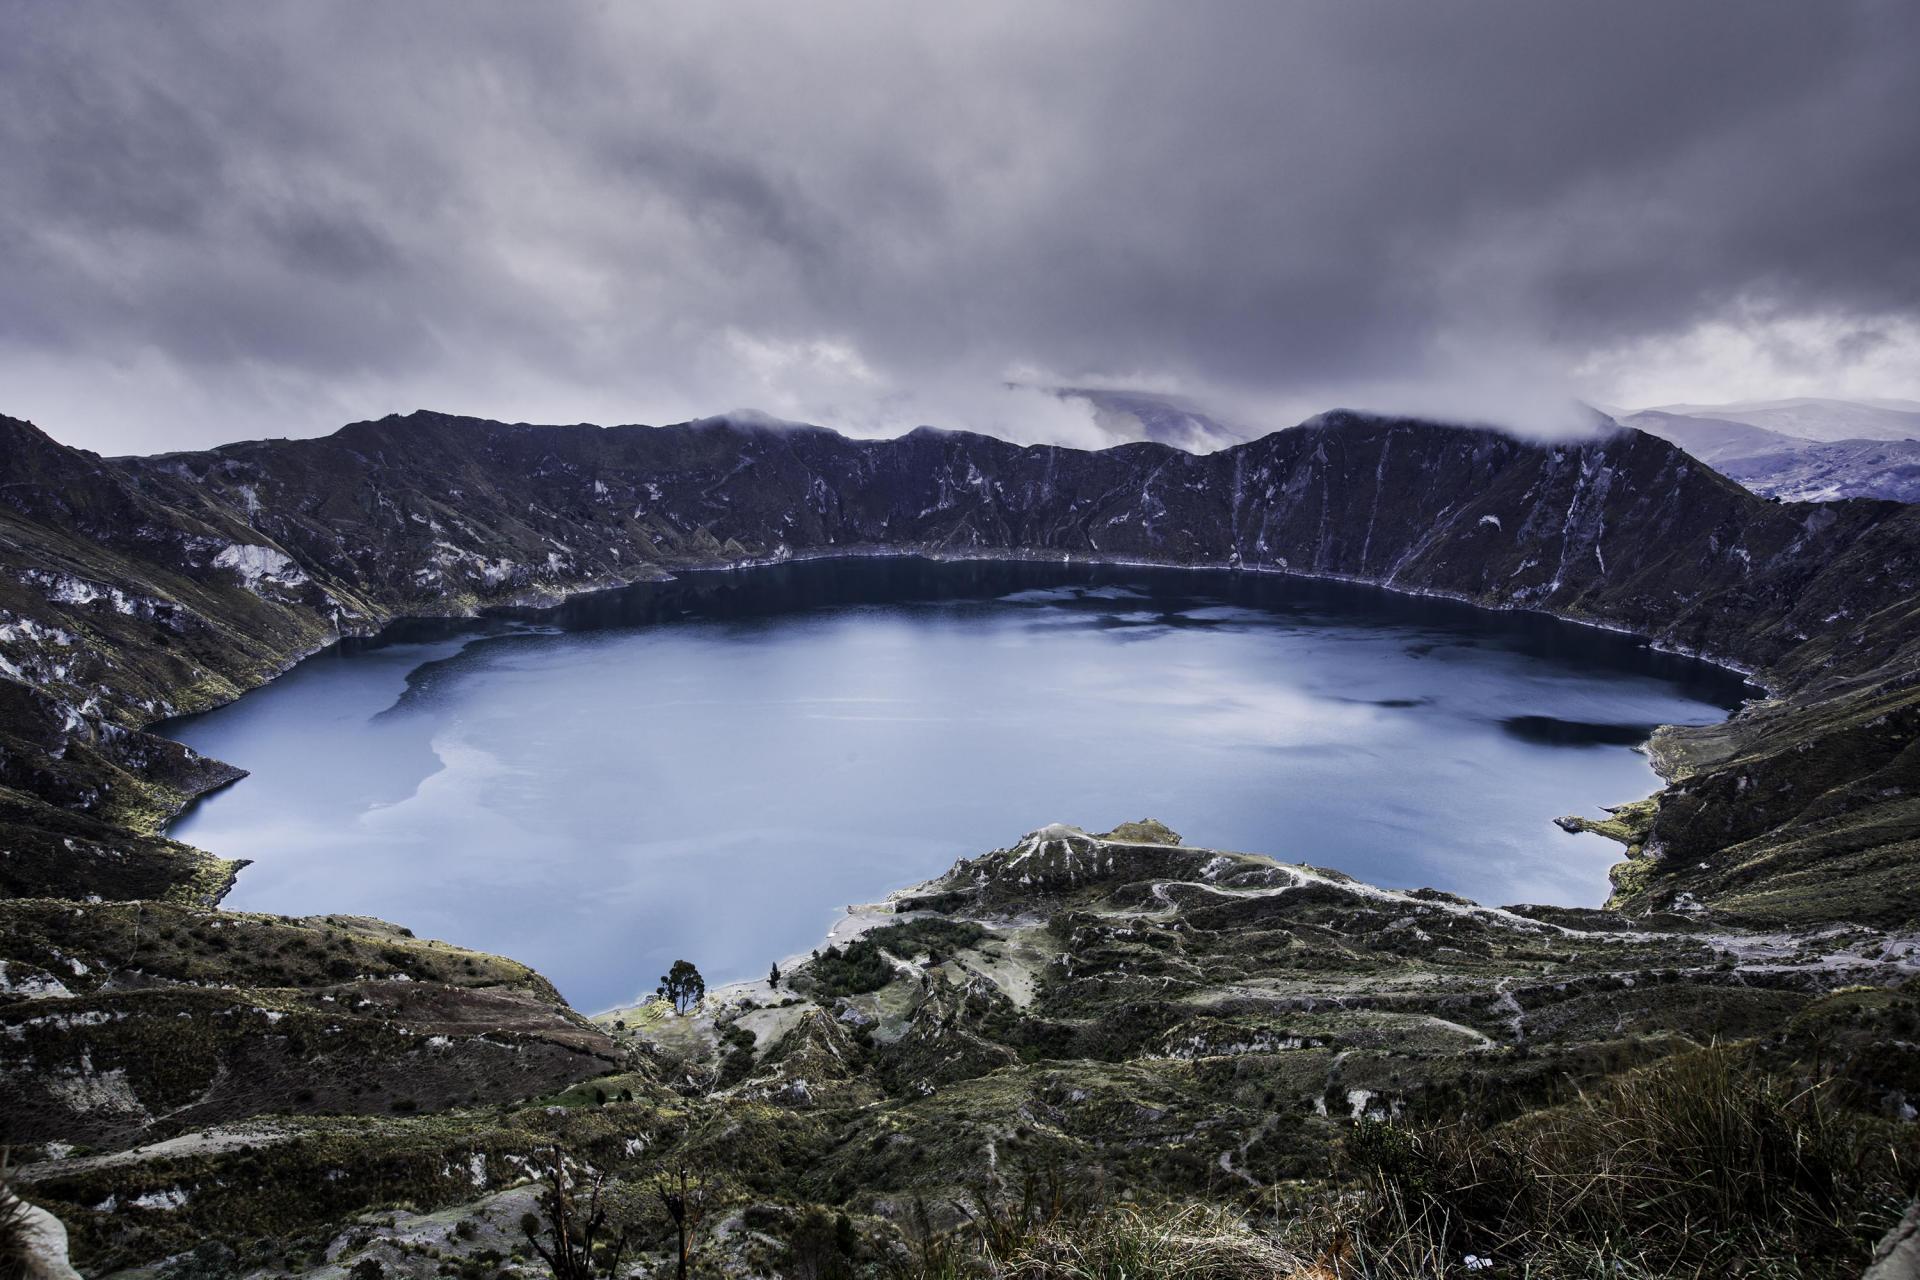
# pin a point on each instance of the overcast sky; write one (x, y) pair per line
(234, 220)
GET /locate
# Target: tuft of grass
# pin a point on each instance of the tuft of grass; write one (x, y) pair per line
(1697, 1166)
(1058, 1230)
(15, 1259)
(1192, 1242)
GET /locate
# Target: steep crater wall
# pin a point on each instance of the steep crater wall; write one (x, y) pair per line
(143, 587)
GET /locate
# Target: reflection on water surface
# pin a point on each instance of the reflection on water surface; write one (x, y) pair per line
(710, 768)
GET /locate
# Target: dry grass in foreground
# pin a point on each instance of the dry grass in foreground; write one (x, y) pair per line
(1699, 1166)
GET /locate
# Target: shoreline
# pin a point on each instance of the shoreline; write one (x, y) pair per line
(882, 907)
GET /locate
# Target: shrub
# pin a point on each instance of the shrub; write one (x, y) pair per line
(857, 969)
(737, 1064)
(819, 1247)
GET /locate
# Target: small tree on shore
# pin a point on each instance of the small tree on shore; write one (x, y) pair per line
(682, 986)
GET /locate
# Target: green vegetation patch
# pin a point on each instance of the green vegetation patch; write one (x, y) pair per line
(862, 965)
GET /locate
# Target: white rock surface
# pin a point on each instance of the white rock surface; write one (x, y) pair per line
(46, 1239)
(257, 564)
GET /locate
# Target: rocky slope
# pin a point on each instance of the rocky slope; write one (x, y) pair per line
(1822, 472)
(141, 1020)
(1712, 440)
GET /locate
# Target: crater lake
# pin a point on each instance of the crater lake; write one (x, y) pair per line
(711, 768)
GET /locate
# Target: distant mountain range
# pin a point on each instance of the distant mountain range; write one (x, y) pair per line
(1815, 418)
(1809, 450)
(1131, 416)
(1802, 450)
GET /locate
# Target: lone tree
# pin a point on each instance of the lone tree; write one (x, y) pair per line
(773, 975)
(685, 1200)
(577, 1242)
(683, 986)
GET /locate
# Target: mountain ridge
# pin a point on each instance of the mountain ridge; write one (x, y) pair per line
(1824, 419)
(1820, 466)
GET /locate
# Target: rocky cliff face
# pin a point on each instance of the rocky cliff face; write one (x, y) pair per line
(135, 588)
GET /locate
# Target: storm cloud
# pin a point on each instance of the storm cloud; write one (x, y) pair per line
(232, 220)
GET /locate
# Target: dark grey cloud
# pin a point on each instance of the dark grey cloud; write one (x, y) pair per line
(227, 219)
